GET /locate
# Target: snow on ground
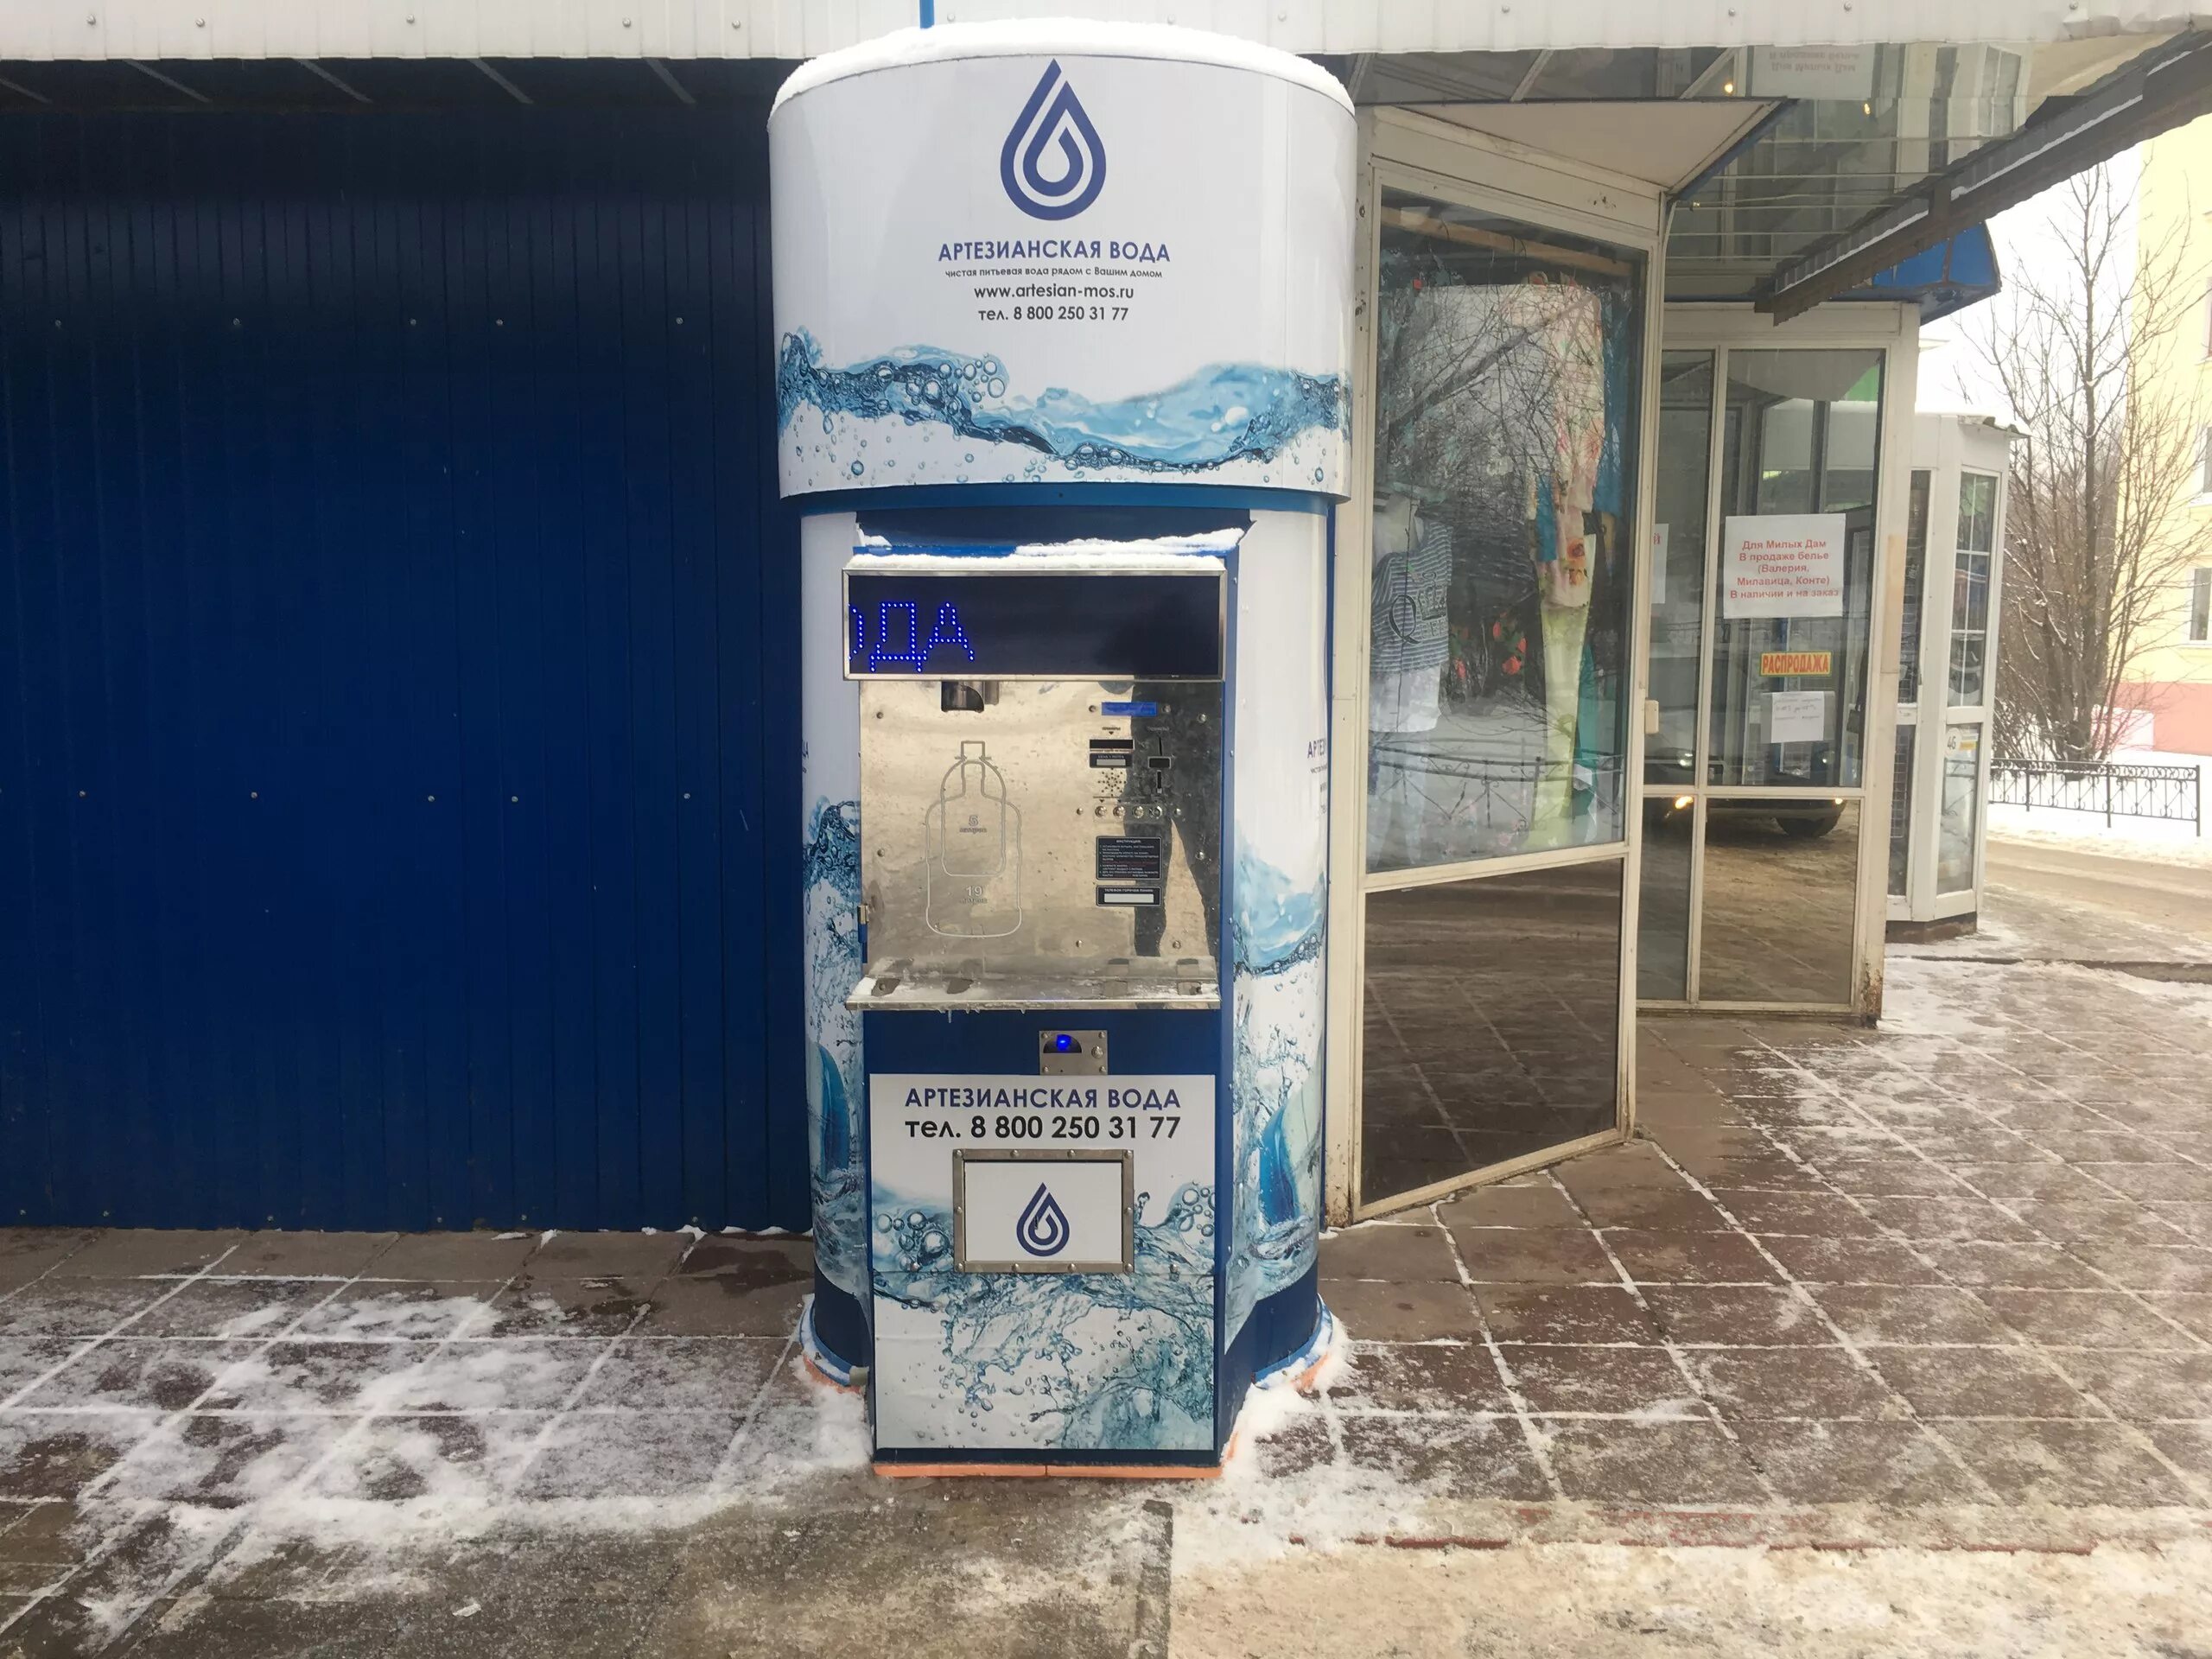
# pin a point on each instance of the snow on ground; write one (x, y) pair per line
(2147, 839)
(400, 1430)
(1931, 998)
(1276, 1563)
(1554, 1601)
(386, 1427)
(2155, 840)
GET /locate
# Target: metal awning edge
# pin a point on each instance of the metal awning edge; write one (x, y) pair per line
(2164, 89)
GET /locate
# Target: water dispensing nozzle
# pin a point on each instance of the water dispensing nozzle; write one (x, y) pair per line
(966, 696)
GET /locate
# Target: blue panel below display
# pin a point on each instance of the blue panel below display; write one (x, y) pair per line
(1137, 1039)
(1280, 1326)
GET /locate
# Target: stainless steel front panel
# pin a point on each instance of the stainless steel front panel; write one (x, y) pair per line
(1039, 849)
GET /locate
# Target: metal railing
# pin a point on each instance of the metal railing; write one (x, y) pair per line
(2173, 793)
(1463, 794)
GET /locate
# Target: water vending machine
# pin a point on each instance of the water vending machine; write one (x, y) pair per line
(1062, 336)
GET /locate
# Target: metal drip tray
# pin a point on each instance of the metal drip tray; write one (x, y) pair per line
(903, 985)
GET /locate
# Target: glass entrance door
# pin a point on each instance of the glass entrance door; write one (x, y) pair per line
(1498, 653)
(1766, 569)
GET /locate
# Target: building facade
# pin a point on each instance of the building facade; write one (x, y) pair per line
(399, 766)
(2169, 686)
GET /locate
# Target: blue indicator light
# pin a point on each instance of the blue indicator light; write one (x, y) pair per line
(1063, 1044)
(1143, 710)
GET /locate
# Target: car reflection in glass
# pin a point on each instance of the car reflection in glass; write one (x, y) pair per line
(1807, 815)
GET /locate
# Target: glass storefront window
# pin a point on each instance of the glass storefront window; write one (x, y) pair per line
(1799, 446)
(1506, 371)
(1916, 585)
(1781, 894)
(1900, 811)
(1961, 814)
(1970, 588)
(1662, 916)
(1916, 582)
(1491, 1022)
(1677, 586)
(1850, 431)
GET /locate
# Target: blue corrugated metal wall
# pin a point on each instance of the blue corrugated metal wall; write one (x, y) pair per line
(397, 735)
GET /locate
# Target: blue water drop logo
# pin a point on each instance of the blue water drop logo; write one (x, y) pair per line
(1053, 165)
(1043, 1227)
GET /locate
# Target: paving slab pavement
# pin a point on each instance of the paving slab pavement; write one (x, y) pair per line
(1872, 1341)
(2042, 902)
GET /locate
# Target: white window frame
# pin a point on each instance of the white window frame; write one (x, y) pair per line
(1954, 454)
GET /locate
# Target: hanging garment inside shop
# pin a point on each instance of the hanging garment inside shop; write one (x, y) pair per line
(1498, 629)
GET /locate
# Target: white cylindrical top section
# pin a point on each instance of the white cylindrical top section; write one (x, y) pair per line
(1070, 36)
(1062, 253)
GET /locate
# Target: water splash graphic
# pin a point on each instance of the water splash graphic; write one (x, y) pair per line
(1278, 951)
(1042, 1228)
(921, 414)
(832, 869)
(1120, 1361)
(1053, 119)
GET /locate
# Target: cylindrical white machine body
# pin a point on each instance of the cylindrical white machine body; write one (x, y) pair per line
(1052, 299)
(1062, 253)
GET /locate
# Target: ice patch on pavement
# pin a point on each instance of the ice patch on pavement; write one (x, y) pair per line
(1256, 1511)
(1673, 1600)
(411, 1458)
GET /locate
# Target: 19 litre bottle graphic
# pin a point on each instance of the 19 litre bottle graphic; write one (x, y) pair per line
(975, 851)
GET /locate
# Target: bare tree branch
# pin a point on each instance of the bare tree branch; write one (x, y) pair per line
(2094, 547)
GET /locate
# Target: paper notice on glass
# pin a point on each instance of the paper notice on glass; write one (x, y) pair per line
(1783, 564)
(1658, 564)
(1796, 716)
(1831, 72)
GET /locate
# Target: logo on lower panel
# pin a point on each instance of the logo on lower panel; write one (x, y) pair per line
(1040, 1209)
(1043, 1227)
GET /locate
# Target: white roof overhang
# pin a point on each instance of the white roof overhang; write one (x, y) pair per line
(158, 30)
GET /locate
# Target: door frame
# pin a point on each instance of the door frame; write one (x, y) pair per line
(1947, 456)
(1894, 330)
(1405, 149)
(1965, 901)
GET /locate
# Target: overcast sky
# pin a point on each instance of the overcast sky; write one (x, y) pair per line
(1953, 379)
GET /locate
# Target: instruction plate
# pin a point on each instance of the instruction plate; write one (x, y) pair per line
(1130, 858)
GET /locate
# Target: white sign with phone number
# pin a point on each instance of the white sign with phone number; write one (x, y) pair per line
(917, 1122)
